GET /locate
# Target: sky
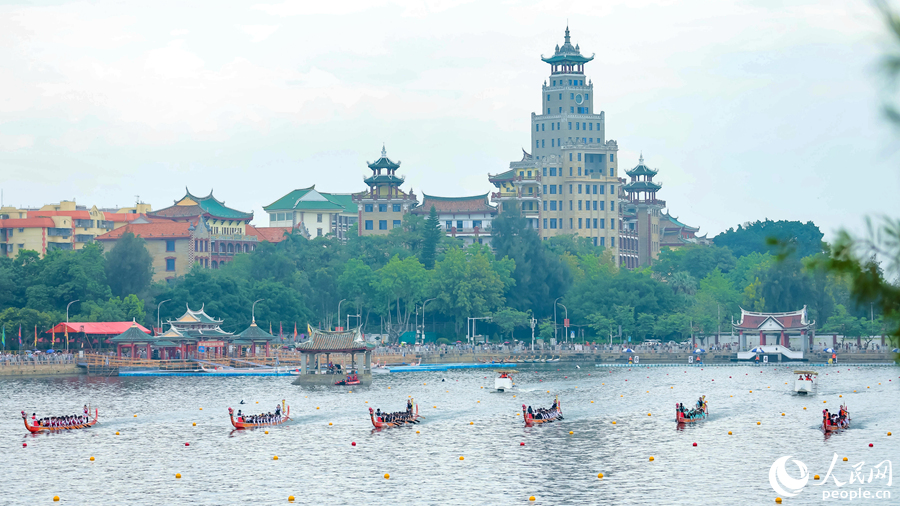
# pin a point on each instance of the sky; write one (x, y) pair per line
(749, 109)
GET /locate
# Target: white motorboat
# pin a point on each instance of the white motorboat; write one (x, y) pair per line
(504, 383)
(806, 382)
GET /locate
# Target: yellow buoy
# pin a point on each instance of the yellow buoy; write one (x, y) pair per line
(777, 500)
(267, 432)
(290, 498)
(56, 498)
(651, 459)
(751, 391)
(840, 396)
(462, 458)
(178, 476)
(782, 414)
(479, 402)
(729, 433)
(548, 391)
(592, 402)
(482, 387)
(117, 433)
(804, 407)
(600, 475)
(386, 476)
(614, 423)
(531, 498)
(757, 423)
(471, 423)
(417, 432)
(435, 407)
(195, 424)
(816, 477)
(889, 433)
(389, 388)
(275, 457)
(329, 423)
(135, 416)
(648, 414)
(92, 459)
(317, 407)
(201, 409)
(621, 396)
(571, 432)
(671, 387)
(845, 459)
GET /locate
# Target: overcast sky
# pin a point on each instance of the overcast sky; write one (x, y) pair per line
(749, 109)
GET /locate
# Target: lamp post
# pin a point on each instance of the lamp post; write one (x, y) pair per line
(567, 328)
(339, 311)
(554, 317)
(423, 316)
(67, 322)
(253, 310)
(353, 315)
(158, 324)
(533, 323)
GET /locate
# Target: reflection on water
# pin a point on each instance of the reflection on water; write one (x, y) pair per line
(318, 465)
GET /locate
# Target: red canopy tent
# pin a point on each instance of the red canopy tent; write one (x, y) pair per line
(98, 329)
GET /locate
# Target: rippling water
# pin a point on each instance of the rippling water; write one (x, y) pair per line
(317, 464)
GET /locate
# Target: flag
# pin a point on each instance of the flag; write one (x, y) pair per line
(35, 336)
(53, 335)
(295, 331)
(4, 336)
(281, 331)
(270, 327)
(20, 336)
(67, 337)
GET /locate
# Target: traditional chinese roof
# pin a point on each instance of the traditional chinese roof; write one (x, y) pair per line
(268, 234)
(255, 334)
(774, 322)
(134, 334)
(567, 54)
(163, 344)
(172, 333)
(162, 229)
(195, 317)
(641, 186)
(503, 176)
(675, 223)
(641, 169)
(384, 162)
(449, 205)
(322, 341)
(191, 206)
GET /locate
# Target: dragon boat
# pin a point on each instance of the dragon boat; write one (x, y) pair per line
(699, 414)
(828, 426)
(379, 423)
(240, 424)
(34, 429)
(554, 414)
(351, 379)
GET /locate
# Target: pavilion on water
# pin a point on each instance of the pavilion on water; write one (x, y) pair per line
(137, 340)
(195, 329)
(322, 344)
(779, 325)
(254, 338)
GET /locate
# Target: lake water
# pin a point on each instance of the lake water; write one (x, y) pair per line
(317, 464)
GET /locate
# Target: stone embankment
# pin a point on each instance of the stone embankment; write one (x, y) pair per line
(25, 370)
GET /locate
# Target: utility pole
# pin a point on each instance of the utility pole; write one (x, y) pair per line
(533, 323)
(554, 318)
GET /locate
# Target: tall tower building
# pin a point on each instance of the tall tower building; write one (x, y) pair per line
(383, 205)
(640, 215)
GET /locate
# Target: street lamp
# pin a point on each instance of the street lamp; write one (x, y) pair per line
(339, 311)
(253, 310)
(533, 323)
(567, 317)
(67, 322)
(423, 316)
(158, 325)
(554, 317)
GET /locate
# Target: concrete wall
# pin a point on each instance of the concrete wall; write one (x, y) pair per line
(39, 370)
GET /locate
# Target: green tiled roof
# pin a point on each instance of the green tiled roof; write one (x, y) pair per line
(642, 186)
(133, 335)
(641, 169)
(324, 341)
(254, 333)
(218, 208)
(293, 201)
(384, 162)
(567, 53)
(164, 344)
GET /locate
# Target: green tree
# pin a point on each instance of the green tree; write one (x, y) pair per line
(129, 266)
(509, 320)
(431, 235)
(803, 239)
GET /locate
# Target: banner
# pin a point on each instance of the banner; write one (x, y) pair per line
(35, 336)
(20, 336)
(53, 335)
(4, 336)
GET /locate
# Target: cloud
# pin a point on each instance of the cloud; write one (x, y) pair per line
(15, 142)
(259, 32)
(179, 32)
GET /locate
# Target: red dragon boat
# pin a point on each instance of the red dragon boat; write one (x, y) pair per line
(379, 423)
(699, 414)
(240, 424)
(829, 426)
(34, 429)
(554, 414)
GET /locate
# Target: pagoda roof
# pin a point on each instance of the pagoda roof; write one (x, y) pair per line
(774, 322)
(194, 317)
(310, 198)
(473, 204)
(641, 186)
(641, 169)
(384, 162)
(384, 178)
(678, 224)
(192, 206)
(503, 176)
(323, 341)
(172, 333)
(134, 334)
(254, 333)
(164, 344)
(567, 53)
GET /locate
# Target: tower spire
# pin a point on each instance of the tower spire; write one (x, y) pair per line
(567, 33)
(383, 150)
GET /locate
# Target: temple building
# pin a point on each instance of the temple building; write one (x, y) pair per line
(313, 213)
(466, 218)
(640, 215)
(196, 329)
(381, 208)
(675, 234)
(568, 184)
(773, 329)
(194, 231)
(64, 226)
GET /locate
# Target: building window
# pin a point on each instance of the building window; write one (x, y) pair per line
(529, 173)
(571, 226)
(577, 125)
(368, 208)
(572, 110)
(397, 224)
(545, 172)
(449, 224)
(603, 241)
(595, 205)
(548, 110)
(553, 205)
(553, 189)
(319, 218)
(552, 222)
(570, 186)
(612, 190)
(545, 186)
(571, 96)
(552, 171)
(537, 128)
(579, 171)
(382, 208)
(612, 242)
(560, 110)
(170, 245)
(545, 207)
(602, 202)
(552, 126)
(595, 222)
(395, 207)
(570, 205)
(542, 142)
(579, 186)
(570, 123)
(560, 95)
(579, 205)
(552, 143)
(170, 264)
(587, 96)
(368, 224)
(542, 127)
(476, 224)
(545, 222)
(612, 205)
(602, 223)
(273, 216)
(318, 232)
(459, 225)
(382, 225)
(612, 157)
(587, 223)
(570, 157)
(602, 188)
(560, 189)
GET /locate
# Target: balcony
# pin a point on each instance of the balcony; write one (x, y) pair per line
(233, 237)
(59, 232)
(83, 238)
(454, 231)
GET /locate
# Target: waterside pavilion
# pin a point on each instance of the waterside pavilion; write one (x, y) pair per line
(321, 344)
(135, 339)
(254, 337)
(782, 325)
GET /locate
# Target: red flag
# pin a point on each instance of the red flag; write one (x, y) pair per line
(53, 335)
(295, 330)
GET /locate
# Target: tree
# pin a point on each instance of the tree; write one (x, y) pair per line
(602, 325)
(431, 235)
(509, 319)
(803, 239)
(129, 266)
